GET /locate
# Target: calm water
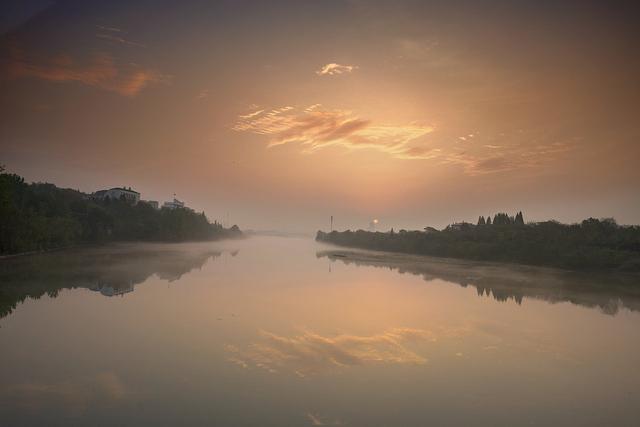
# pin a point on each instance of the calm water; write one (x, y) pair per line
(286, 332)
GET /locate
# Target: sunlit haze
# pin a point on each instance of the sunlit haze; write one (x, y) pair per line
(280, 114)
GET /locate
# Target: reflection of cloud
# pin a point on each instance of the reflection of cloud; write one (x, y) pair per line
(314, 420)
(101, 72)
(317, 421)
(311, 353)
(74, 395)
(318, 128)
(333, 69)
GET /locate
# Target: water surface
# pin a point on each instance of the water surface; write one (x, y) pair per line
(286, 332)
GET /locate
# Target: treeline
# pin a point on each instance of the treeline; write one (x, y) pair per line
(591, 244)
(40, 216)
(502, 219)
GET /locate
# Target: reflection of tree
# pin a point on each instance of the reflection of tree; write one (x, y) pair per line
(112, 270)
(609, 292)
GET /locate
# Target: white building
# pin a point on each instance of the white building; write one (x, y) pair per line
(175, 204)
(118, 193)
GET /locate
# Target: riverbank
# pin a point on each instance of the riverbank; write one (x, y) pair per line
(39, 217)
(113, 242)
(609, 292)
(592, 245)
(45, 251)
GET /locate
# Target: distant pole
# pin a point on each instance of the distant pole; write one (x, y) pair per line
(331, 223)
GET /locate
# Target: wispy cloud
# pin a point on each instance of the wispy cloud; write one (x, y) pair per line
(311, 353)
(316, 128)
(334, 69)
(101, 71)
(110, 29)
(250, 115)
(120, 40)
(116, 35)
(492, 158)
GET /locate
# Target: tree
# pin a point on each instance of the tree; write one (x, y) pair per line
(502, 219)
(519, 219)
(489, 220)
(481, 221)
(42, 216)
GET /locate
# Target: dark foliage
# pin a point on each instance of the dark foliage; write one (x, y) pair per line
(40, 216)
(116, 268)
(592, 244)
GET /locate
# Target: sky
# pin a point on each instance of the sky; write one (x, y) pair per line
(280, 114)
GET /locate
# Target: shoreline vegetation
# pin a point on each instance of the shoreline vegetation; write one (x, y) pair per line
(111, 270)
(593, 244)
(40, 217)
(507, 282)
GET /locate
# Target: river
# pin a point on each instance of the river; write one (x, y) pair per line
(272, 331)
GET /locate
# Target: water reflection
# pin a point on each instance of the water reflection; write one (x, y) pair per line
(359, 346)
(111, 270)
(317, 420)
(608, 292)
(310, 353)
(75, 395)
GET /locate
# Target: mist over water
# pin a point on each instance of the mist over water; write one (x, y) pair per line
(308, 334)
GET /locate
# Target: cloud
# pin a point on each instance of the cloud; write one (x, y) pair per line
(101, 71)
(110, 29)
(492, 158)
(250, 115)
(118, 39)
(311, 353)
(114, 34)
(478, 153)
(203, 94)
(334, 69)
(317, 128)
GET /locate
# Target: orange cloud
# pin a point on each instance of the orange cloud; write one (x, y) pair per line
(501, 158)
(316, 128)
(101, 72)
(333, 69)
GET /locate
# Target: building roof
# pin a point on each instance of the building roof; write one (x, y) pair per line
(124, 189)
